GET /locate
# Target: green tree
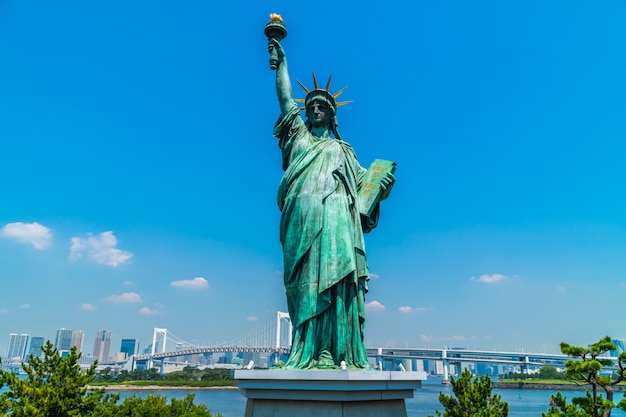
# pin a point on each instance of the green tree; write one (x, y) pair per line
(560, 408)
(153, 406)
(472, 398)
(54, 387)
(586, 369)
(549, 372)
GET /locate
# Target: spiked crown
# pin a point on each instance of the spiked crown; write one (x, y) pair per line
(324, 95)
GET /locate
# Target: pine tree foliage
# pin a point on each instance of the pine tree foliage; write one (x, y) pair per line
(153, 406)
(586, 369)
(53, 387)
(472, 398)
(56, 386)
(559, 407)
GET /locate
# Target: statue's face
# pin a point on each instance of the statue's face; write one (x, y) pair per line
(319, 114)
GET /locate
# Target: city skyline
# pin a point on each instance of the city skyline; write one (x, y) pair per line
(140, 171)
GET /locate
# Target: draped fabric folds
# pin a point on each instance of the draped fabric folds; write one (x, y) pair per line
(321, 231)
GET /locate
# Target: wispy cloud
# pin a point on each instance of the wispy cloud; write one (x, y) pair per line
(561, 288)
(374, 307)
(252, 318)
(26, 305)
(146, 311)
(197, 283)
(457, 338)
(374, 276)
(489, 279)
(34, 233)
(4, 310)
(127, 297)
(409, 309)
(101, 249)
(442, 339)
(87, 307)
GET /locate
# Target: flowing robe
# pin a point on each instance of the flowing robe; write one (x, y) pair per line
(321, 230)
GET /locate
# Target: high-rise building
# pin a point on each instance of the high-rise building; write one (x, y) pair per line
(102, 346)
(63, 341)
(77, 340)
(16, 352)
(129, 347)
(35, 346)
(620, 345)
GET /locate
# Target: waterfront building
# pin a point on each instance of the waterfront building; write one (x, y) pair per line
(16, 351)
(86, 361)
(77, 340)
(621, 347)
(129, 347)
(63, 341)
(102, 346)
(35, 346)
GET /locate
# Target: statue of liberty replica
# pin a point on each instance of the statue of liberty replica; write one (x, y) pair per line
(328, 201)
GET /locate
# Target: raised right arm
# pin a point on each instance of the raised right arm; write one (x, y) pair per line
(283, 83)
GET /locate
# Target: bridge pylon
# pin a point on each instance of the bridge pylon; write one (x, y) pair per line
(163, 332)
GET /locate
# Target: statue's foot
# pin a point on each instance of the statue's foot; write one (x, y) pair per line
(326, 361)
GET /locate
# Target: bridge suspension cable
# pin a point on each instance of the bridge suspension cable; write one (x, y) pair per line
(273, 334)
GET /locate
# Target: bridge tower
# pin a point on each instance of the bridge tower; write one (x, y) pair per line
(446, 366)
(163, 332)
(280, 317)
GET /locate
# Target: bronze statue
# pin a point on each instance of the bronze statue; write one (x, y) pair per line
(322, 224)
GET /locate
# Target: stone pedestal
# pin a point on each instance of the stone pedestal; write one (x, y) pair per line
(278, 393)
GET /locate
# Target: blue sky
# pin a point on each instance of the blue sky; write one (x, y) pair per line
(140, 172)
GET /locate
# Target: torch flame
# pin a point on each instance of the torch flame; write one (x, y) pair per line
(274, 17)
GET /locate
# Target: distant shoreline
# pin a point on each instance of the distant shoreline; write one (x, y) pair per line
(159, 388)
(547, 386)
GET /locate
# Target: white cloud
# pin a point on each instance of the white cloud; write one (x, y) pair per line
(128, 283)
(34, 233)
(443, 339)
(26, 305)
(127, 297)
(252, 318)
(489, 279)
(197, 283)
(374, 306)
(100, 249)
(148, 311)
(409, 309)
(374, 276)
(427, 338)
(3, 311)
(87, 307)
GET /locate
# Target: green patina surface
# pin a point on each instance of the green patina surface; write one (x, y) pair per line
(321, 230)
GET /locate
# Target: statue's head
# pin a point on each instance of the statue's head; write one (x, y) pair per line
(321, 113)
(320, 99)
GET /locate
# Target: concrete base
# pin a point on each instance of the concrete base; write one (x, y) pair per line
(278, 393)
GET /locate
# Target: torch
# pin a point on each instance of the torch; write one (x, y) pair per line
(275, 29)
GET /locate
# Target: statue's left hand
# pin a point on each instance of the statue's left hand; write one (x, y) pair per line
(386, 184)
(273, 44)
